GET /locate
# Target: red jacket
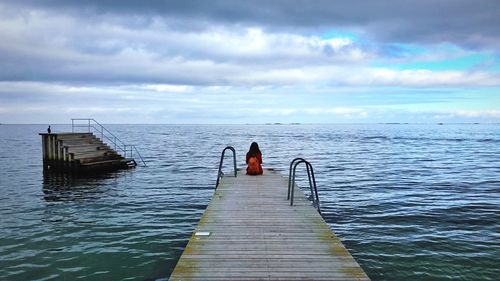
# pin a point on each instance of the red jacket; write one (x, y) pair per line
(254, 168)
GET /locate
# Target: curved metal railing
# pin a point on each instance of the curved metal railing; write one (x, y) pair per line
(312, 182)
(93, 126)
(220, 173)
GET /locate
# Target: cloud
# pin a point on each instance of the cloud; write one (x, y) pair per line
(422, 78)
(477, 113)
(41, 46)
(199, 61)
(471, 24)
(168, 88)
(106, 52)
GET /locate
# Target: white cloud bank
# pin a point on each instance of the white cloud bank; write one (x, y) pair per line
(42, 46)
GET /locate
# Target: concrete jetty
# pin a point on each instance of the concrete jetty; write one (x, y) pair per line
(94, 150)
(80, 152)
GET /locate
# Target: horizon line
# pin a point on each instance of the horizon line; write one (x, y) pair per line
(280, 123)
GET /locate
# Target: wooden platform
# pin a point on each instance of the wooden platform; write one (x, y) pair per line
(253, 234)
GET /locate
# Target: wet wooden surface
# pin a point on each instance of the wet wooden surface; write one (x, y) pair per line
(253, 234)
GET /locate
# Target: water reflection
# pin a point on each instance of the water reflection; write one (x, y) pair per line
(73, 187)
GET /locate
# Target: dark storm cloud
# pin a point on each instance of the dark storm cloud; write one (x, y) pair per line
(471, 24)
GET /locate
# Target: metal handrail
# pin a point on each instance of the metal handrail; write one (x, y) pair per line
(127, 149)
(290, 174)
(220, 174)
(312, 182)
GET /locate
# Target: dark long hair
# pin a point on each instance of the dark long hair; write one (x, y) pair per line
(254, 149)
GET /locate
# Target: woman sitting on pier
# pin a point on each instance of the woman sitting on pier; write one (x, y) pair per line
(254, 160)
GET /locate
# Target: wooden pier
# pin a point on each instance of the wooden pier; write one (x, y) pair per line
(249, 231)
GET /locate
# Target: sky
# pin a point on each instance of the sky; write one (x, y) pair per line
(260, 61)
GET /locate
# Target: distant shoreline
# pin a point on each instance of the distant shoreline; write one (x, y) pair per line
(275, 123)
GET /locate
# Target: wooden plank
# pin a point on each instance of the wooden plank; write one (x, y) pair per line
(255, 235)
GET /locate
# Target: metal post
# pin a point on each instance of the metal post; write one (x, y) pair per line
(293, 179)
(222, 160)
(234, 160)
(309, 178)
(290, 174)
(312, 183)
(220, 168)
(293, 185)
(316, 191)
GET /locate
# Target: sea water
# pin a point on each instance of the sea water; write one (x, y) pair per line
(409, 201)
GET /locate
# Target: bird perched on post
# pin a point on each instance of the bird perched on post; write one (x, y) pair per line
(48, 129)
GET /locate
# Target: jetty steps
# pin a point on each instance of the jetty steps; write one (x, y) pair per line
(83, 152)
(80, 152)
